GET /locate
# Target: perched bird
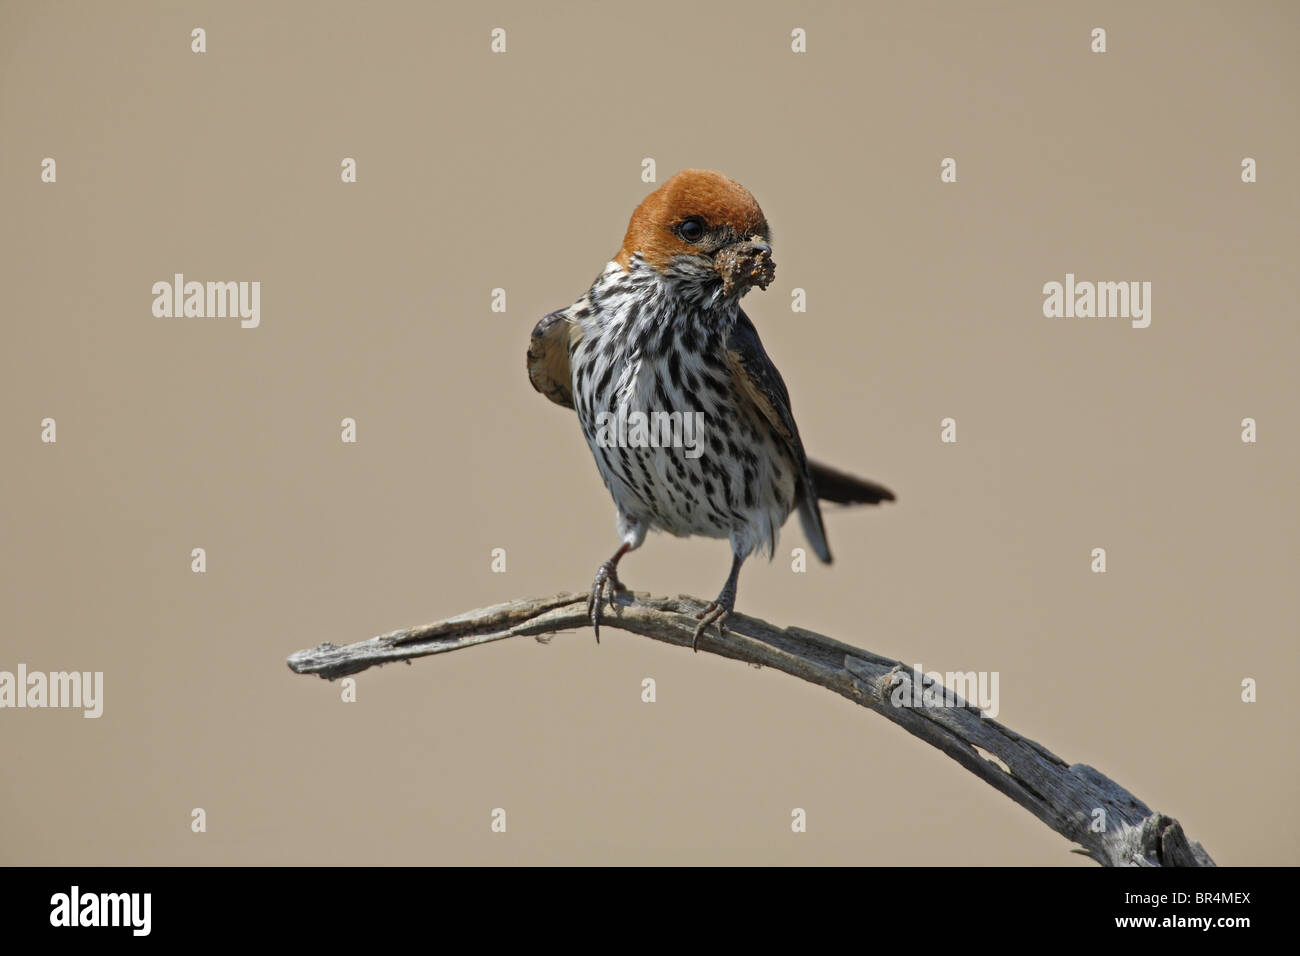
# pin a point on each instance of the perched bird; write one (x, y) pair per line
(659, 334)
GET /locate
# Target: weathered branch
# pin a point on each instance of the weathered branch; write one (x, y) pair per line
(1064, 796)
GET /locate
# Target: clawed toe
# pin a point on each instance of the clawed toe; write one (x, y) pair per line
(712, 613)
(605, 574)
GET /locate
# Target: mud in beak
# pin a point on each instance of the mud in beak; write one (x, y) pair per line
(744, 265)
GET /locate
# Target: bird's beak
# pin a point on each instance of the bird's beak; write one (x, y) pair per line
(745, 264)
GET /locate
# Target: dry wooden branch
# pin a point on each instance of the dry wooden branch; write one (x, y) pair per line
(1064, 796)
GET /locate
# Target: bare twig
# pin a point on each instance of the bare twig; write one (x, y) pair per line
(1111, 825)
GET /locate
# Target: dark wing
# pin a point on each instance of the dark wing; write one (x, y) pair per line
(548, 357)
(755, 377)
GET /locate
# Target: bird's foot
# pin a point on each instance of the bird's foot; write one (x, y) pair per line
(716, 612)
(606, 574)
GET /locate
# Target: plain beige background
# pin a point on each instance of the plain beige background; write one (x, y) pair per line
(519, 171)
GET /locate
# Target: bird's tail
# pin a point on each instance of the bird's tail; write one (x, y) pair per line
(810, 518)
(836, 486)
(844, 489)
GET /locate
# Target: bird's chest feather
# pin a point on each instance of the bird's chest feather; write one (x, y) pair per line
(674, 441)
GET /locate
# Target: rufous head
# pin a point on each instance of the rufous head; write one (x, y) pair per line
(702, 225)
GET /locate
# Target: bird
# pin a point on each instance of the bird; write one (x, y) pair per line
(687, 417)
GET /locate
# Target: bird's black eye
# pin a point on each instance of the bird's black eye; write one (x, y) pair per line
(691, 229)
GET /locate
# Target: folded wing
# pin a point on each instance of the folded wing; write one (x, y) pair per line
(548, 357)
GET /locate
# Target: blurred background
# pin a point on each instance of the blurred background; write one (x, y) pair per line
(518, 171)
